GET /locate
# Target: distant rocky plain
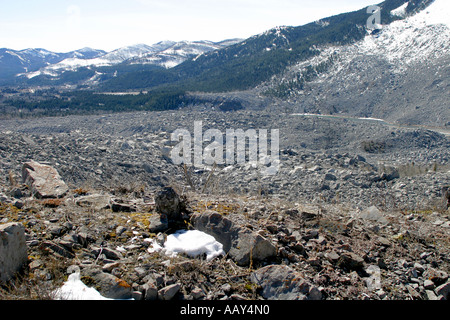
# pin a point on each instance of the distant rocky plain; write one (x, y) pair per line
(358, 208)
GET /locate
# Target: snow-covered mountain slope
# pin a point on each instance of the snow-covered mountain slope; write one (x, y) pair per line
(179, 52)
(418, 38)
(401, 73)
(114, 57)
(165, 53)
(85, 53)
(13, 62)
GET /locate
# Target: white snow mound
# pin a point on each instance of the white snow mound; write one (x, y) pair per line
(193, 243)
(75, 289)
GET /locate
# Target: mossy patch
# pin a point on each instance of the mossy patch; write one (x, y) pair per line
(222, 208)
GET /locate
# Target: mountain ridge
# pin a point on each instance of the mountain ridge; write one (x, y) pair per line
(35, 62)
(399, 74)
(256, 59)
(13, 62)
(335, 65)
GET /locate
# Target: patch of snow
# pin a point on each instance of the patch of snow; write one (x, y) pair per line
(153, 246)
(94, 79)
(31, 75)
(322, 23)
(73, 63)
(75, 289)
(195, 59)
(400, 11)
(42, 53)
(167, 54)
(16, 55)
(414, 39)
(171, 64)
(437, 13)
(307, 114)
(193, 243)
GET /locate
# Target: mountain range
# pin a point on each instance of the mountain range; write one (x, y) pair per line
(256, 60)
(44, 64)
(14, 62)
(337, 65)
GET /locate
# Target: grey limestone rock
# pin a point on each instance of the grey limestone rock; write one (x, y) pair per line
(242, 244)
(43, 180)
(13, 250)
(280, 282)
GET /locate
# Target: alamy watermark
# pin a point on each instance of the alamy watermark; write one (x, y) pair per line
(374, 21)
(236, 146)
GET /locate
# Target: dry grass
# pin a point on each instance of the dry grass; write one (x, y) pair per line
(52, 203)
(81, 191)
(37, 284)
(224, 208)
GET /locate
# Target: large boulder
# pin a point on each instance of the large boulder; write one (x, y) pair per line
(443, 290)
(373, 215)
(167, 293)
(107, 284)
(248, 246)
(158, 223)
(13, 250)
(168, 202)
(242, 244)
(279, 282)
(43, 180)
(350, 261)
(446, 197)
(389, 173)
(216, 225)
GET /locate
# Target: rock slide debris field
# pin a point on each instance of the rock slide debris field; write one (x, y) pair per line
(357, 211)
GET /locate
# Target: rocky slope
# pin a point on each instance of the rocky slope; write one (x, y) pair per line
(320, 158)
(399, 73)
(323, 252)
(340, 220)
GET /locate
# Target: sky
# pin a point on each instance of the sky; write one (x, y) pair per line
(66, 25)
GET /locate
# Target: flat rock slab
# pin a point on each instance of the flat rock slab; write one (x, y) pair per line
(107, 284)
(167, 293)
(247, 246)
(158, 223)
(43, 180)
(444, 290)
(94, 201)
(242, 244)
(373, 215)
(278, 282)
